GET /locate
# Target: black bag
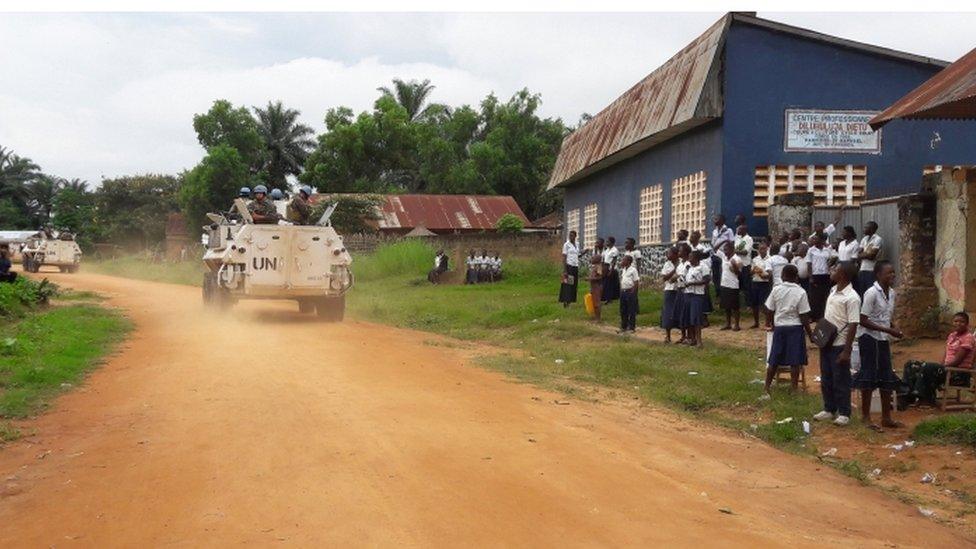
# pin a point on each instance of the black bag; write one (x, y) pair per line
(824, 333)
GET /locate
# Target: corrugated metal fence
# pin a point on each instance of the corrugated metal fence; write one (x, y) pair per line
(883, 211)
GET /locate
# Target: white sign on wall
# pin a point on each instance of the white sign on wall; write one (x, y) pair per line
(813, 130)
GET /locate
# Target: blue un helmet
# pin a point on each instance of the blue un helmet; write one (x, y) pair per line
(260, 189)
(245, 192)
(276, 194)
(306, 189)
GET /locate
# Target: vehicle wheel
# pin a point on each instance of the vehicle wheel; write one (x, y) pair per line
(331, 309)
(73, 269)
(61, 269)
(306, 306)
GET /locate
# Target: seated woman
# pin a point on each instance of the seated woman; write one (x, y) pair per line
(924, 379)
(440, 267)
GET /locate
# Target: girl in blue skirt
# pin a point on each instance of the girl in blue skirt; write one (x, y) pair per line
(788, 316)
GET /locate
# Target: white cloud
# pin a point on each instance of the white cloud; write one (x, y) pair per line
(109, 94)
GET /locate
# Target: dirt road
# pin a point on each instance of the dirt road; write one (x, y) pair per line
(265, 427)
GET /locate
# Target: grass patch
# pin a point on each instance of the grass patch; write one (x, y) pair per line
(8, 433)
(182, 272)
(854, 469)
(24, 295)
(948, 429)
(50, 350)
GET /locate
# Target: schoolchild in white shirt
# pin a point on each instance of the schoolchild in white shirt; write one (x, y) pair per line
(787, 316)
(776, 263)
(729, 286)
(697, 277)
(761, 282)
(669, 273)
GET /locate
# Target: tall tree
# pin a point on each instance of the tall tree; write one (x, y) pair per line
(132, 210)
(411, 96)
(40, 198)
(287, 142)
(15, 172)
(225, 124)
(212, 184)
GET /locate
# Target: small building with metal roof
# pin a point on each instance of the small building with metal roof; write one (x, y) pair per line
(439, 213)
(749, 110)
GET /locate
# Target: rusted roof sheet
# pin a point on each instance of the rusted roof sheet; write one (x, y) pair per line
(446, 212)
(949, 94)
(440, 212)
(682, 93)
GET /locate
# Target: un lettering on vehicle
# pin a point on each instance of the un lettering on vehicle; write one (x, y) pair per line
(264, 263)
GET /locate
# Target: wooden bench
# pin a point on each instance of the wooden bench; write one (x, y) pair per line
(958, 397)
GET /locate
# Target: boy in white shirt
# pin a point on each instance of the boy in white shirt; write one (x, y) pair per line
(787, 310)
(629, 284)
(873, 339)
(844, 312)
(802, 265)
(776, 263)
(669, 274)
(743, 250)
(870, 250)
(761, 285)
(729, 286)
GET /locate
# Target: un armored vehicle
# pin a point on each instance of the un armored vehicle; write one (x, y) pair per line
(305, 263)
(56, 249)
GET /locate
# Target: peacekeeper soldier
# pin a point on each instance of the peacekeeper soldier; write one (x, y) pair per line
(245, 193)
(263, 210)
(276, 194)
(299, 210)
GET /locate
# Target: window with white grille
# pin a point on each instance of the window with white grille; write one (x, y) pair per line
(572, 221)
(649, 219)
(831, 185)
(688, 203)
(589, 226)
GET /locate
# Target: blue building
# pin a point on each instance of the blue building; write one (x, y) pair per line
(749, 110)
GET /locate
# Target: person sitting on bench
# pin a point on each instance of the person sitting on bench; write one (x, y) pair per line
(924, 379)
(440, 267)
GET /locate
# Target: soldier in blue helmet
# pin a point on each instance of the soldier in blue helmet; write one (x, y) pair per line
(245, 193)
(276, 194)
(263, 210)
(300, 209)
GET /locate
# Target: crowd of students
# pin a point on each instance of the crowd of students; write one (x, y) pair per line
(803, 287)
(482, 268)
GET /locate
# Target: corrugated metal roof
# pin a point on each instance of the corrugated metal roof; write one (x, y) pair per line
(441, 212)
(949, 94)
(446, 212)
(683, 93)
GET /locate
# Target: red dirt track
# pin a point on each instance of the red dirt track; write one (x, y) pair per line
(266, 427)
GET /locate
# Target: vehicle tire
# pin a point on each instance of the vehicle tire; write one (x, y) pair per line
(73, 269)
(306, 306)
(331, 309)
(61, 269)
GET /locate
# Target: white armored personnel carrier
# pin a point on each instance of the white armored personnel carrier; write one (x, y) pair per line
(306, 263)
(57, 249)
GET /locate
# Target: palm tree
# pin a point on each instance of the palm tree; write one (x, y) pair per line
(40, 197)
(76, 185)
(15, 172)
(411, 96)
(287, 141)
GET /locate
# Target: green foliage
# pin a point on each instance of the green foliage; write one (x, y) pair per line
(212, 184)
(352, 215)
(501, 148)
(234, 127)
(52, 350)
(948, 429)
(509, 223)
(74, 210)
(23, 295)
(132, 210)
(16, 173)
(286, 142)
(408, 257)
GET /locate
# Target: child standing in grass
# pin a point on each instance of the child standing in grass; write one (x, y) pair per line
(761, 275)
(729, 286)
(629, 284)
(669, 272)
(680, 301)
(787, 316)
(697, 277)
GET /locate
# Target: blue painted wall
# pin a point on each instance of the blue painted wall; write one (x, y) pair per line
(617, 189)
(767, 72)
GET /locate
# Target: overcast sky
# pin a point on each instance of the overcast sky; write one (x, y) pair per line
(93, 95)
